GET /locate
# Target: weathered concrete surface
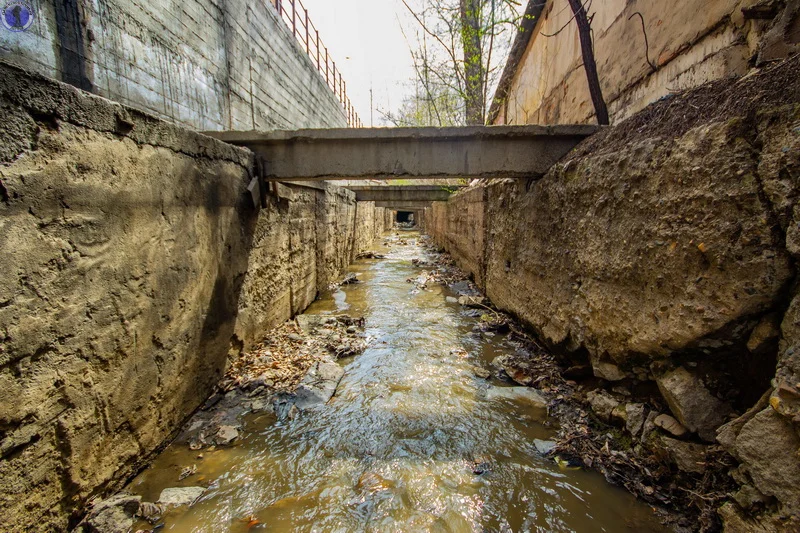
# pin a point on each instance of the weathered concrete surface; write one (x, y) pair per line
(549, 82)
(132, 265)
(402, 193)
(595, 259)
(424, 153)
(205, 64)
(669, 240)
(462, 231)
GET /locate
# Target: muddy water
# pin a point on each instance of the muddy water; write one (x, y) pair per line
(408, 443)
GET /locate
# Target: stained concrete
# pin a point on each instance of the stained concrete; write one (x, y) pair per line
(670, 48)
(204, 64)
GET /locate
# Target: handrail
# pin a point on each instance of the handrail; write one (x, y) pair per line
(295, 16)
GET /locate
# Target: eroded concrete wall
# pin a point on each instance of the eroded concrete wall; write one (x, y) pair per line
(206, 64)
(687, 44)
(668, 240)
(133, 264)
(302, 244)
(461, 231)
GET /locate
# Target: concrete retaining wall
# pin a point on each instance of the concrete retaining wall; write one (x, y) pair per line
(462, 230)
(206, 64)
(687, 43)
(133, 263)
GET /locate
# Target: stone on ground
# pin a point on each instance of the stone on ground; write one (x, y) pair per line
(602, 403)
(687, 456)
(635, 417)
(670, 425)
(692, 404)
(114, 515)
(768, 444)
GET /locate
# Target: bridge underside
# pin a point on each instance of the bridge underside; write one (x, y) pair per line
(401, 193)
(410, 153)
(404, 206)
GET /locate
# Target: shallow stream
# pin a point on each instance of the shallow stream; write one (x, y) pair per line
(409, 442)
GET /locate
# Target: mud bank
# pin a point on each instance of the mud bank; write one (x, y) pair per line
(133, 265)
(659, 260)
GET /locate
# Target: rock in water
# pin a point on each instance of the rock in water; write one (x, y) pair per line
(471, 301)
(226, 435)
(177, 496)
(150, 511)
(481, 372)
(544, 447)
(319, 384)
(692, 404)
(524, 394)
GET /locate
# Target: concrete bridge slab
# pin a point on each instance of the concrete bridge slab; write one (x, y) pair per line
(414, 153)
(404, 206)
(402, 193)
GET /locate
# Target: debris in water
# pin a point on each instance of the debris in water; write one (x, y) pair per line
(251, 521)
(186, 472)
(370, 255)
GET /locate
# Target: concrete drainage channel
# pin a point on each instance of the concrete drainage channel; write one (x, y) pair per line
(406, 416)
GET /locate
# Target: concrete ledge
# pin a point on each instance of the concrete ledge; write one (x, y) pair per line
(375, 153)
(45, 97)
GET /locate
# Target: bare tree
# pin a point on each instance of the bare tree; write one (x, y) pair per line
(457, 50)
(589, 64)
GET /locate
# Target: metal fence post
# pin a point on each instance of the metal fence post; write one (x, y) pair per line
(294, 19)
(308, 41)
(318, 52)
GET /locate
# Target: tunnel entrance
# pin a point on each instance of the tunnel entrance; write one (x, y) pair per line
(406, 217)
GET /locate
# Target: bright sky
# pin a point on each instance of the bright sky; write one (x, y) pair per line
(365, 39)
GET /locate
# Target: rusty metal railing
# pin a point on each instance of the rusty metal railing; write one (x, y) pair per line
(295, 15)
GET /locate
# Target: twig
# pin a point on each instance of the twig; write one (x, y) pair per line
(646, 43)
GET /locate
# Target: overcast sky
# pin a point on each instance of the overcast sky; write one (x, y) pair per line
(365, 39)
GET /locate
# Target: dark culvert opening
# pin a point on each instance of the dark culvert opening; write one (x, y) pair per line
(404, 217)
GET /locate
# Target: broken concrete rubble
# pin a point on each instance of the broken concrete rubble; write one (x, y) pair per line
(603, 404)
(113, 515)
(768, 444)
(692, 404)
(670, 425)
(688, 456)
